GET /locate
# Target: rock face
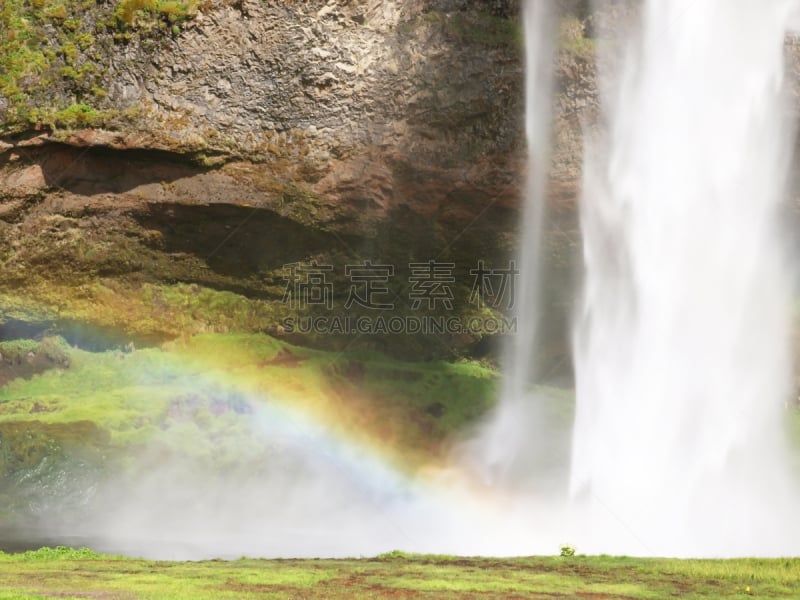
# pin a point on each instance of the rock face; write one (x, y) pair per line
(263, 133)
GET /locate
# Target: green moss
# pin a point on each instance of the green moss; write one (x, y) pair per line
(76, 115)
(473, 27)
(16, 350)
(57, 12)
(84, 40)
(130, 13)
(128, 10)
(49, 67)
(72, 116)
(583, 47)
(176, 11)
(573, 40)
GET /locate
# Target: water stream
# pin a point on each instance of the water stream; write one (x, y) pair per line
(682, 338)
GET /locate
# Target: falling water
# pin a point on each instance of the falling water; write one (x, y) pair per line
(507, 451)
(681, 344)
(539, 20)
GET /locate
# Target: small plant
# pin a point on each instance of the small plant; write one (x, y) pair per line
(567, 550)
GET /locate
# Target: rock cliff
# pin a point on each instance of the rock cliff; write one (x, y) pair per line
(162, 162)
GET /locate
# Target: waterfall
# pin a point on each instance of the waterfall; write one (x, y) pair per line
(681, 342)
(508, 450)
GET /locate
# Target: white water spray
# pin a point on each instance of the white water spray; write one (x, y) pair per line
(682, 342)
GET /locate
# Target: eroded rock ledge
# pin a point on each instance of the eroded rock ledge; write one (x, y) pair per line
(266, 133)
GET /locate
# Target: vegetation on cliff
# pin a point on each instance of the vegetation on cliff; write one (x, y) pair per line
(53, 55)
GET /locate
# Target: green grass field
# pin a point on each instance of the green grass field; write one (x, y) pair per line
(64, 573)
(173, 396)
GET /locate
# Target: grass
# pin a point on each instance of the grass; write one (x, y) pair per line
(67, 573)
(214, 401)
(194, 396)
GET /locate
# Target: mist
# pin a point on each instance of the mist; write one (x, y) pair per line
(674, 443)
